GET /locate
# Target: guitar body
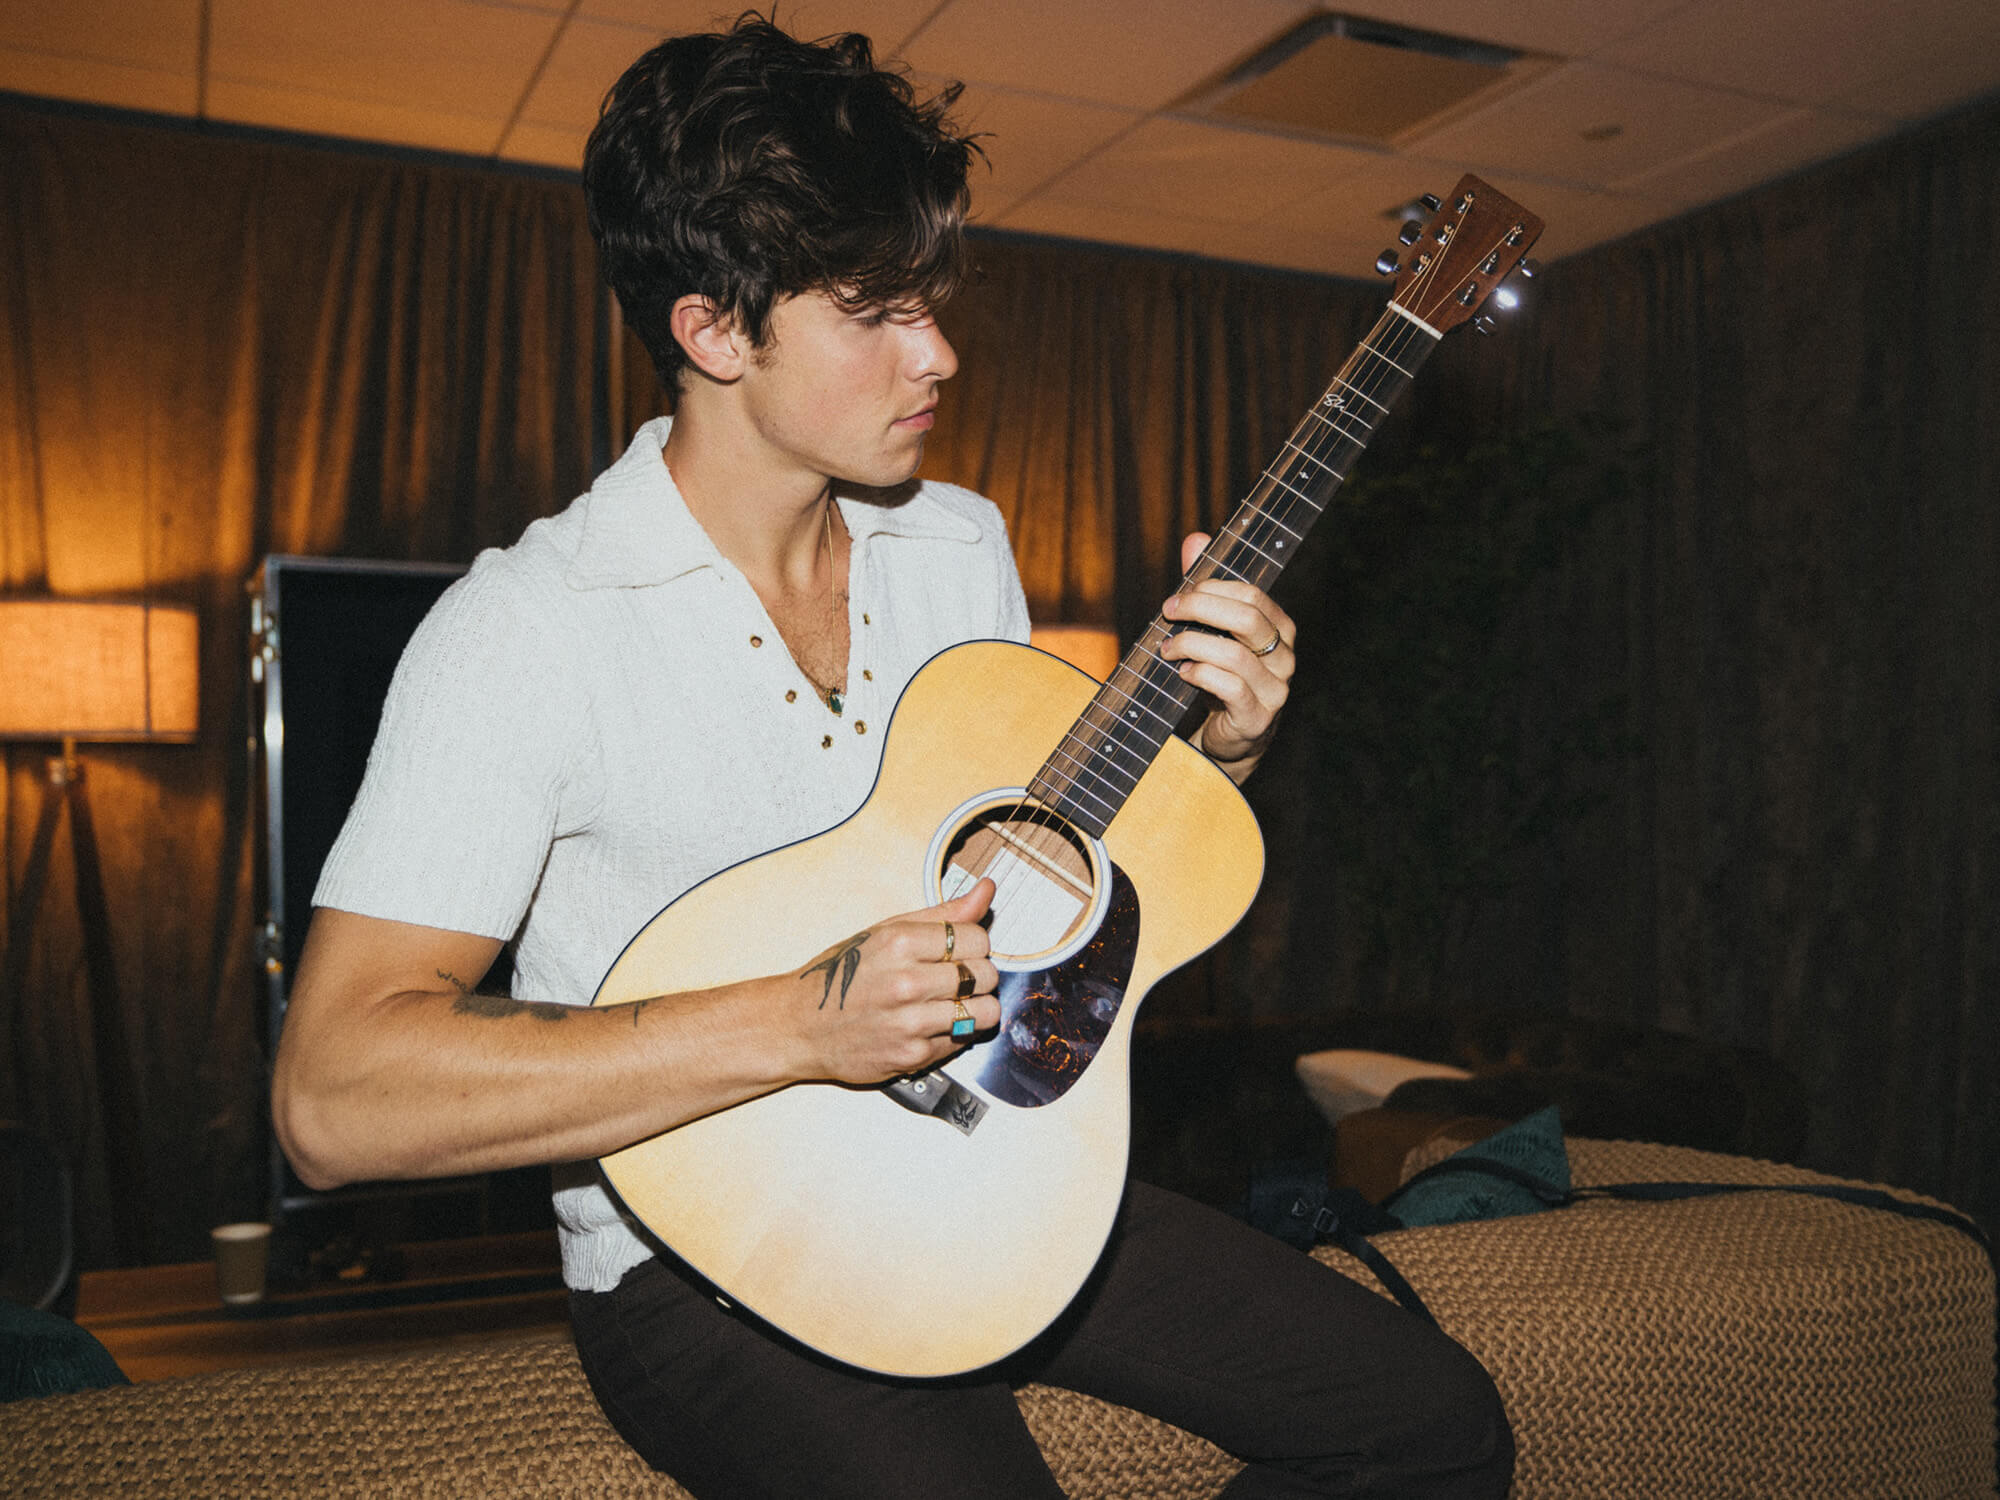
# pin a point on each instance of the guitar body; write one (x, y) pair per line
(896, 1240)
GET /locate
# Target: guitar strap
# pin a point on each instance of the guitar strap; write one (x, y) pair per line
(1345, 1218)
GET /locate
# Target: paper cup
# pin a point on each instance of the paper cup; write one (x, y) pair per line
(241, 1251)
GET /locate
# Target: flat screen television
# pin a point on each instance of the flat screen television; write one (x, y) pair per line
(325, 637)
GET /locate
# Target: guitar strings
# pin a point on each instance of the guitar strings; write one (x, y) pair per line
(1318, 439)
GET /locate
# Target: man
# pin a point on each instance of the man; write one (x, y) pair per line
(693, 664)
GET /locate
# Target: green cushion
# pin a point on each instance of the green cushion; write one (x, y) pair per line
(44, 1355)
(1441, 1195)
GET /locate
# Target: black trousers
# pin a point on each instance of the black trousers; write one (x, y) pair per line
(1321, 1387)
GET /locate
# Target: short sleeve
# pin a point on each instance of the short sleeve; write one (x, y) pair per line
(1012, 621)
(474, 770)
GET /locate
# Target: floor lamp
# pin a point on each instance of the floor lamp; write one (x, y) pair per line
(80, 670)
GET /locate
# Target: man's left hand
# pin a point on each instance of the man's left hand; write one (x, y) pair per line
(1248, 670)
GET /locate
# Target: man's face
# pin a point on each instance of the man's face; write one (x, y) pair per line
(848, 393)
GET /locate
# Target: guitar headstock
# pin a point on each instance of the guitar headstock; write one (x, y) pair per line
(1467, 247)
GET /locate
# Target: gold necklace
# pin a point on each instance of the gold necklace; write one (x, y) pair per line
(832, 697)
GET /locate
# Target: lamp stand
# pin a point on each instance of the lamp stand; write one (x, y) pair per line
(117, 1081)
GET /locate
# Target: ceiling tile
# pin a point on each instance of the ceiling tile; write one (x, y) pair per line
(1278, 243)
(545, 146)
(1552, 126)
(1195, 171)
(1564, 28)
(1027, 138)
(1066, 219)
(885, 22)
(355, 119)
(1357, 206)
(1791, 141)
(1811, 55)
(161, 35)
(447, 57)
(1264, 245)
(587, 59)
(1140, 57)
(91, 81)
(1932, 89)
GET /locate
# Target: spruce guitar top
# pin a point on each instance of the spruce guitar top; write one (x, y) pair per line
(938, 1223)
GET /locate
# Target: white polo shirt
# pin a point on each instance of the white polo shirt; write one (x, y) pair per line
(603, 715)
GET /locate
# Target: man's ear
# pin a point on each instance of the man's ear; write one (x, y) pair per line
(711, 339)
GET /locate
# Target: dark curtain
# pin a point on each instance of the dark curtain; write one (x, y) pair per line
(1800, 611)
(218, 347)
(212, 348)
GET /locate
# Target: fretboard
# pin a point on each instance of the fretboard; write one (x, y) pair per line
(1145, 700)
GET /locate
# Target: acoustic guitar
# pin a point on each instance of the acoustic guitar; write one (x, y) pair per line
(936, 1224)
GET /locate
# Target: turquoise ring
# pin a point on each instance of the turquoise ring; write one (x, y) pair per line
(962, 1024)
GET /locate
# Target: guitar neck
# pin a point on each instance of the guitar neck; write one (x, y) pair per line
(1145, 700)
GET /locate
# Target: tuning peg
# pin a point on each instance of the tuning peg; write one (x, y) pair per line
(1386, 262)
(1411, 231)
(1431, 202)
(1529, 269)
(1484, 324)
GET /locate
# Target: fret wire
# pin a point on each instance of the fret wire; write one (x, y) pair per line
(1085, 755)
(1106, 744)
(1406, 374)
(1100, 762)
(1092, 735)
(1116, 730)
(1331, 400)
(1179, 681)
(1286, 487)
(1093, 823)
(1111, 804)
(1337, 380)
(1333, 419)
(1315, 460)
(1262, 514)
(1086, 765)
(1118, 718)
(1244, 541)
(1377, 382)
(1111, 739)
(1327, 421)
(1333, 462)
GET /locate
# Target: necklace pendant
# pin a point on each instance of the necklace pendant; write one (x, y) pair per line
(833, 699)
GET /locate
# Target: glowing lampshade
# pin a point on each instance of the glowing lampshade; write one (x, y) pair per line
(81, 669)
(1093, 648)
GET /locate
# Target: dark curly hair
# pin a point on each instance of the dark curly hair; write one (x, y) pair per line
(747, 166)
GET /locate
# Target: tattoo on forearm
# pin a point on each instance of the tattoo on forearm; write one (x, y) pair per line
(843, 961)
(472, 1003)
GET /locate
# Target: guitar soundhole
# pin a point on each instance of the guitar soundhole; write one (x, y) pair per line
(1045, 872)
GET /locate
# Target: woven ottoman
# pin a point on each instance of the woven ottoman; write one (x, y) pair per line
(1761, 1347)
(1754, 1346)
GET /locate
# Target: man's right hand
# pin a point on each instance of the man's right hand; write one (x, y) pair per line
(881, 1003)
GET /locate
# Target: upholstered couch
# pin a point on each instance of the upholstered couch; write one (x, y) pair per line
(1763, 1345)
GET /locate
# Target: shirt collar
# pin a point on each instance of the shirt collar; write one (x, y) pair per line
(637, 530)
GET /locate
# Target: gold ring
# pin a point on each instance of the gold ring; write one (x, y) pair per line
(966, 985)
(962, 1023)
(950, 941)
(1269, 646)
